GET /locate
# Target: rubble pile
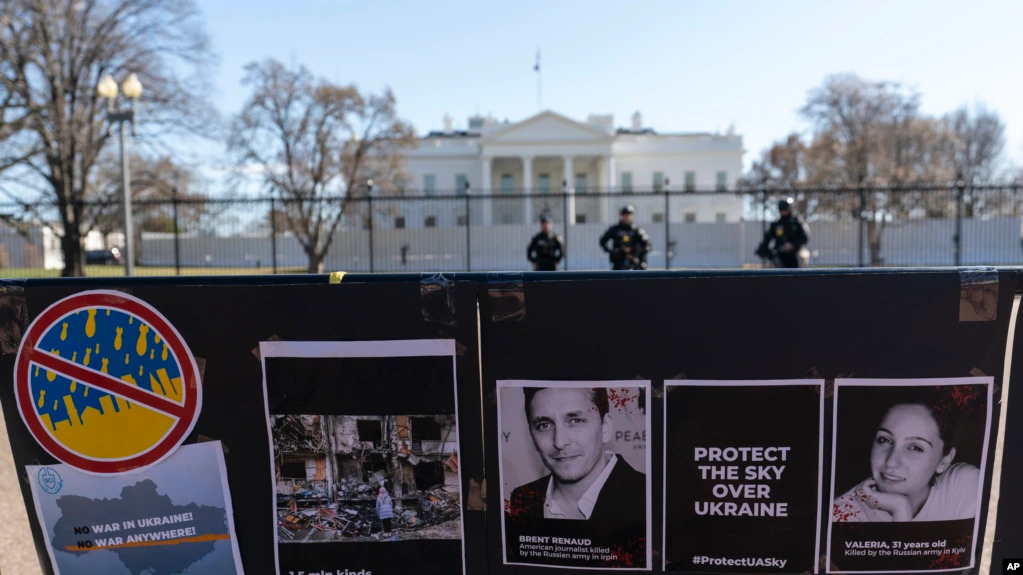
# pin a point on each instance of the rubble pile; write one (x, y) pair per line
(295, 433)
(326, 518)
(352, 489)
(436, 506)
(356, 519)
(303, 490)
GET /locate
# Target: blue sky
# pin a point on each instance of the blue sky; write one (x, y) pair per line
(686, 65)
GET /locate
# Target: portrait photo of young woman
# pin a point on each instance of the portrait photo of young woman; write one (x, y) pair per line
(909, 453)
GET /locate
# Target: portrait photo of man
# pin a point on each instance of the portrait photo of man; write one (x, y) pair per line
(570, 428)
(569, 470)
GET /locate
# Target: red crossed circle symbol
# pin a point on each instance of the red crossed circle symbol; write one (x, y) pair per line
(185, 414)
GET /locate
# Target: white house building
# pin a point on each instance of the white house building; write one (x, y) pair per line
(550, 153)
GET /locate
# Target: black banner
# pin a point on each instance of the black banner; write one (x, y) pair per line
(906, 325)
(224, 327)
(705, 422)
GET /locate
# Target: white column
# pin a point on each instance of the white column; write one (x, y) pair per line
(609, 186)
(487, 186)
(527, 189)
(570, 188)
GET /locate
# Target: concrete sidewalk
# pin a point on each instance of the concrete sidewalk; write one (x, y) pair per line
(17, 552)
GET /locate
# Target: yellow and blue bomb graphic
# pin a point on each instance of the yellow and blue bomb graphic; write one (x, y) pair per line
(108, 389)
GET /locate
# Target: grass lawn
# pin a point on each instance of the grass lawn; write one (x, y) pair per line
(118, 271)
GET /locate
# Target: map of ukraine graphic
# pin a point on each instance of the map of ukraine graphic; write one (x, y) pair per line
(169, 557)
(90, 421)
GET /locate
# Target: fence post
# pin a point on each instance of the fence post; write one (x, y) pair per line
(468, 231)
(177, 234)
(564, 217)
(273, 234)
(763, 212)
(957, 239)
(667, 230)
(859, 230)
(369, 202)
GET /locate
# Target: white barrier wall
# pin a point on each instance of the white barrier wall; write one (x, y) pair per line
(16, 251)
(503, 247)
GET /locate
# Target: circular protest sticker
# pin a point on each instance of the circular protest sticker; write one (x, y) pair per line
(105, 383)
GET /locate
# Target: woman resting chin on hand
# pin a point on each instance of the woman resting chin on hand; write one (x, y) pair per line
(894, 504)
(912, 474)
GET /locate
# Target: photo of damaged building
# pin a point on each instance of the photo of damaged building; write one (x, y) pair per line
(329, 469)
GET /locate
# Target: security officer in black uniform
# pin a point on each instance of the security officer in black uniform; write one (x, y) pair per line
(788, 235)
(545, 249)
(629, 243)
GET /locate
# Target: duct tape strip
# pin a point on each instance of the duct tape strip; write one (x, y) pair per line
(13, 317)
(437, 298)
(507, 297)
(336, 277)
(978, 294)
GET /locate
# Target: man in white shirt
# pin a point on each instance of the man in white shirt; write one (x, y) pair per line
(569, 428)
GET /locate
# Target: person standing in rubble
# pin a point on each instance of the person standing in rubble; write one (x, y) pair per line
(385, 510)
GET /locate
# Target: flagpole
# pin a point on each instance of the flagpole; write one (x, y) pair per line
(539, 82)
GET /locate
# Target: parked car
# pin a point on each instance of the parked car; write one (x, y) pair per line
(106, 257)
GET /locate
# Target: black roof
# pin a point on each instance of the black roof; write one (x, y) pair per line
(453, 134)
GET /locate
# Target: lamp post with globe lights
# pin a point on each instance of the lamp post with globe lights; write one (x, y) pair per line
(116, 114)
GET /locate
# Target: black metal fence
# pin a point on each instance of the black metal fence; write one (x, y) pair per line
(934, 225)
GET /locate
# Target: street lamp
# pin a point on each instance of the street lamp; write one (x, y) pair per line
(116, 114)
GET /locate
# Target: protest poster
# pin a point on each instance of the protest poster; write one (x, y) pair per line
(358, 469)
(742, 479)
(908, 469)
(575, 473)
(175, 517)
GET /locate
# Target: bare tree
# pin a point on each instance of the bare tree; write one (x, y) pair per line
(869, 135)
(156, 184)
(978, 139)
(52, 55)
(315, 145)
(781, 165)
(856, 114)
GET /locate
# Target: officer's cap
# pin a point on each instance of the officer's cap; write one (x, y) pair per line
(628, 210)
(545, 220)
(785, 204)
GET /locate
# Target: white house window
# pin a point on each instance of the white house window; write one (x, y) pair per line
(720, 217)
(658, 217)
(627, 182)
(460, 180)
(690, 217)
(545, 184)
(429, 184)
(399, 222)
(462, 220)
(690, 181)
(430, 222)
(580, 218)
(580, 183)
(506, 183)
(658, 181)
(722, 181)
